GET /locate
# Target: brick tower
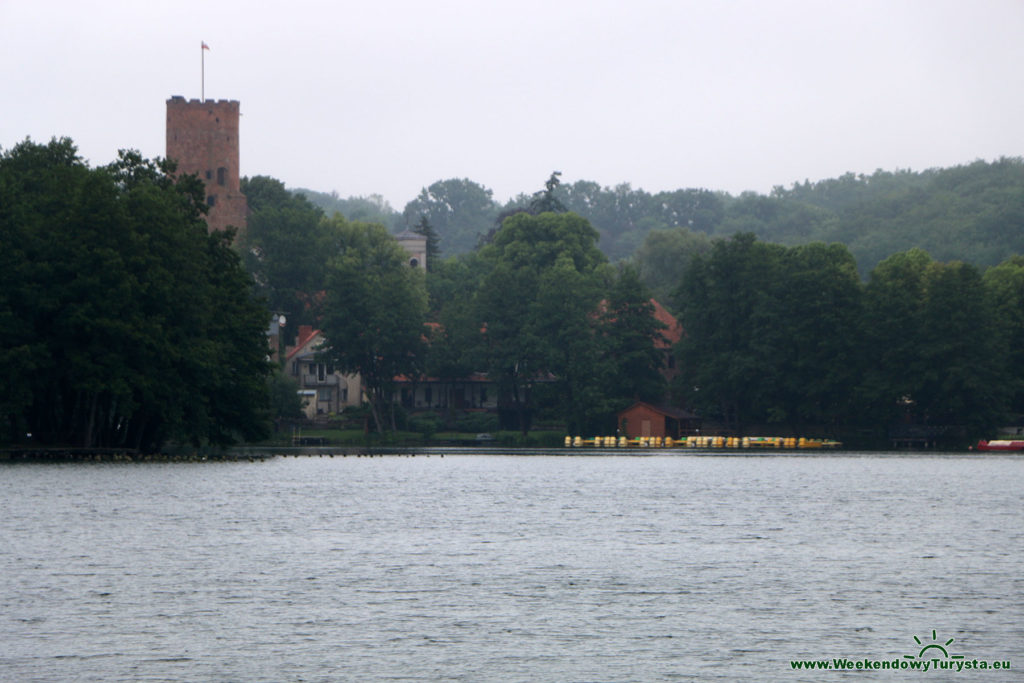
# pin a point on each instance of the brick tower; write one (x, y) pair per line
(202, 136)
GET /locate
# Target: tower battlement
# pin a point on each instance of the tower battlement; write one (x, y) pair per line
(179, 100)
(202, 137)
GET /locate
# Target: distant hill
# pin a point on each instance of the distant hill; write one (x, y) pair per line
(973, 213)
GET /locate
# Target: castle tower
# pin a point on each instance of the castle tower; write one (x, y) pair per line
(202, 136)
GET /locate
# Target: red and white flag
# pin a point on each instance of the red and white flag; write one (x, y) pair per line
(205, 46)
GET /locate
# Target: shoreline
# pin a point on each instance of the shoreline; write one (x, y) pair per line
(261, 454)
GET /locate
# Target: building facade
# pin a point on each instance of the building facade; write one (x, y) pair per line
(325, 391)
(202, 137)
(644, 419)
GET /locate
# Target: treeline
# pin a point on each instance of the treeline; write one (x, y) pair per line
(123, 324)
(974, 213)
(792, 336)
(565, 336)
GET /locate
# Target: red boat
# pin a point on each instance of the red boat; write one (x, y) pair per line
(1000, 445)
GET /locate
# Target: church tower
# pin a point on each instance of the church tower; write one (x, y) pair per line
(202, 136)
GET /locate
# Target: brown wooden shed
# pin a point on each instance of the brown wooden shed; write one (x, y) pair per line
(644, 419)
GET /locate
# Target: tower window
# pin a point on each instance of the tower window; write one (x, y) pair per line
(209, 175)
(222, 174)
(211, 200)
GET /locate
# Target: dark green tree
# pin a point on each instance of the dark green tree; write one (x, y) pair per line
(517, 305)
(816, 338)
(129, 325)
(546, 200)
(1005, 286)
(938, 356)
(454, 341)
(632, 357)
(728, 307)
(509, 352)
(286, 248)
(284, 396)
(773, 335)
(423, 227)
(893, 300)
(374, 312)
(563, 320)
(964, 359)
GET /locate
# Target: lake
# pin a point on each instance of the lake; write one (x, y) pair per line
(661, 566)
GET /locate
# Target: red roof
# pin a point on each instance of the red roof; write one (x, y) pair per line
(673, 331)
(667, 411)
(306, 335)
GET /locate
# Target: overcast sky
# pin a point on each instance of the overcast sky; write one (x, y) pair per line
(387, 96)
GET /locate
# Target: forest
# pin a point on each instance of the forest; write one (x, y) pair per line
(851, 308)
(972, 213)
(123, 323)
(539, 301)
(789, 337)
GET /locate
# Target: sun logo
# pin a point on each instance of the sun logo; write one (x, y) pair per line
(931, 650)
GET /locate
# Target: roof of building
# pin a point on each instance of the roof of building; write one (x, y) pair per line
(667, 411)
(673, 331)
(307, 336)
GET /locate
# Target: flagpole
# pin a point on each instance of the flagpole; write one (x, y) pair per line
(202, 87)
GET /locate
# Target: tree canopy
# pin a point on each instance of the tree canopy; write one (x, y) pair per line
(125, 324)
(790, 335)
(284, 249)
(459, 209)
(563, 333)
(973, 212)
(375, 310)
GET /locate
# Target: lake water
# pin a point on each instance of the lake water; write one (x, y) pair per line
(510, 568)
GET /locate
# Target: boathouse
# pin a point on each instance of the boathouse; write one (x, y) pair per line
(645, 419)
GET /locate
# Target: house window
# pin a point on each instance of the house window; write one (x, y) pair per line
(321, 371)
(344, 395)
(428, 395)
(323, 394)
(295, 368)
